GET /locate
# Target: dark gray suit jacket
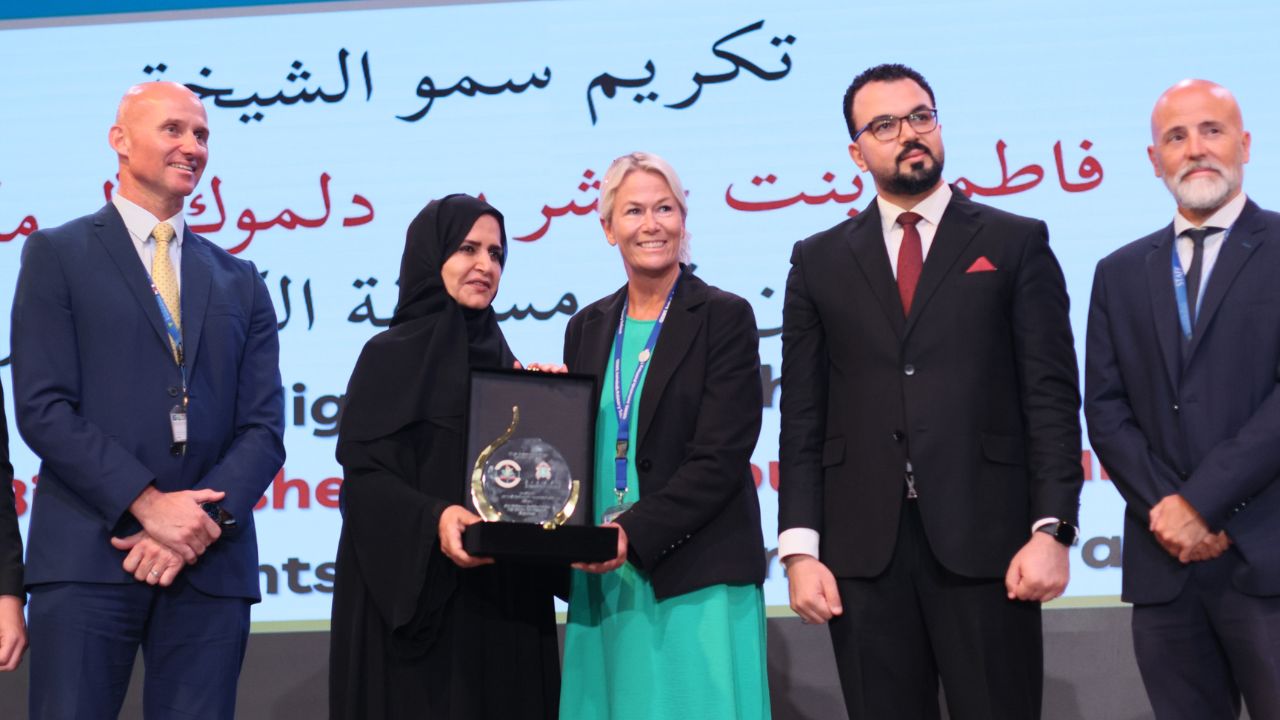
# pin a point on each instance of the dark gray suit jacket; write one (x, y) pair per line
(977, 386)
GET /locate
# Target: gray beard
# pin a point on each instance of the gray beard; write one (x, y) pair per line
(1201, 194)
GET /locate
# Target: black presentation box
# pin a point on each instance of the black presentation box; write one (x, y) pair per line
(528, 434)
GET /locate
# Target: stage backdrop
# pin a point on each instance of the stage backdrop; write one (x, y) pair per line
(331, 129)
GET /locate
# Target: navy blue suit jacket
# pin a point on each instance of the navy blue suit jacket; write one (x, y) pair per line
(1199, 419)
(94, 381)
(10, 538)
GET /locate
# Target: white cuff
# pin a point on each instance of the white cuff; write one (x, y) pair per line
(798, 541)
(1042, 522)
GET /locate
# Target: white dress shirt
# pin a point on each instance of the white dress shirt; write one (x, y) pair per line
(930, 209)
(140, 223)
(1225, 217)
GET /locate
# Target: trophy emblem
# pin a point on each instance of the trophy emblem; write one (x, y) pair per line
(523, 479)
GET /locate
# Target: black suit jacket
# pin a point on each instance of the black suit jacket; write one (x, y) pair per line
(697, 522)
(1203, 419)
(978, 387)
(10, 539)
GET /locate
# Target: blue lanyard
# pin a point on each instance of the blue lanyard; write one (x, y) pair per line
(175, 335)
(1180, 287)
(623, 407)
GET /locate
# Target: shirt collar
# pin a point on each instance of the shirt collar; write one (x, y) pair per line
(140, 222)
(931, 208)
(1225, 217)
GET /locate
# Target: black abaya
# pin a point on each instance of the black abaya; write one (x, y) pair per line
(413, 635)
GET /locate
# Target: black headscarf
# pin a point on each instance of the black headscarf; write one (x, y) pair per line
(416, 369)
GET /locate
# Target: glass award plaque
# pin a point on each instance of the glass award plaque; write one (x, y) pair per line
(523, 479)
(530, 468)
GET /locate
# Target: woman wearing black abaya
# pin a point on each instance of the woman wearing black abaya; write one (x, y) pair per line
(420, 628)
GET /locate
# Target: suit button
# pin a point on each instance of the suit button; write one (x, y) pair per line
(898, 436)
(175, 450)
(1183, 474)
(644, 465)
(173, 391)
(1176, 408)
(909, 369)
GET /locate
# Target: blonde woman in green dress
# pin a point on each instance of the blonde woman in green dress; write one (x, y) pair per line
(674, 626)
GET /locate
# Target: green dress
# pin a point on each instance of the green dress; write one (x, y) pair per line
(630, 656)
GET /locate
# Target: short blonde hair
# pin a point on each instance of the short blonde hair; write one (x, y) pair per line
(644, 162)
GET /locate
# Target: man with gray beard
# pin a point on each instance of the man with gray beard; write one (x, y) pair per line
(1181, 373)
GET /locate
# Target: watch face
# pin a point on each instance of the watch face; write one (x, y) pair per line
(1065, 534)
(215, 512)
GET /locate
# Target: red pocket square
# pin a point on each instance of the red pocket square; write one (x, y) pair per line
(982, 264)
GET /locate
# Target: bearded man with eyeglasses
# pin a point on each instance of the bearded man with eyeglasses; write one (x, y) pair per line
(930, 441)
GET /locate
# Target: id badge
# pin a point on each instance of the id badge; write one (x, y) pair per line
(178, 424)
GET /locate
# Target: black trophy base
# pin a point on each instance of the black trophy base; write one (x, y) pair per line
(529, 543)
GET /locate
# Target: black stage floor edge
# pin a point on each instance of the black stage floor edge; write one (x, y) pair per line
(1090, 673)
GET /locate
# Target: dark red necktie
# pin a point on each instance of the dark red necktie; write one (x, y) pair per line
(910, 259)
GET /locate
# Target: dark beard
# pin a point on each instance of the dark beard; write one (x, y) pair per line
(919, 179)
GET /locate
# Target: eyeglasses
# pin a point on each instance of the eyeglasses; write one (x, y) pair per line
(889, 127)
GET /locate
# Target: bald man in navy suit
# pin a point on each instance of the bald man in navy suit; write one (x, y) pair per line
(146, 378)
(1182, 397)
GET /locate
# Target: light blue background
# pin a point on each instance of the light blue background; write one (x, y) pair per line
(1030, 74)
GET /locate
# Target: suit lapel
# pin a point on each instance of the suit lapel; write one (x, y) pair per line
(114, 237)
(597, 338)
(196, 280)
(1164, 308)
(958, 226)
(866, 240)
(1241, 242)
(678, 332)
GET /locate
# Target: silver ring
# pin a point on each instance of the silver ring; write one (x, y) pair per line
(155, 572)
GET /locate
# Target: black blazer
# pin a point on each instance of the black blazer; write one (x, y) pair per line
(697, 522)
(10, 540)
(1201, 420)
(978, 387)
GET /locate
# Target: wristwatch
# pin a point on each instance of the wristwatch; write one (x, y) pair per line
(1063, 532)
(224, 519)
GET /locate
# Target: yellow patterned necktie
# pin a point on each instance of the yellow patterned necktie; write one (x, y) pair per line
(162, 275)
